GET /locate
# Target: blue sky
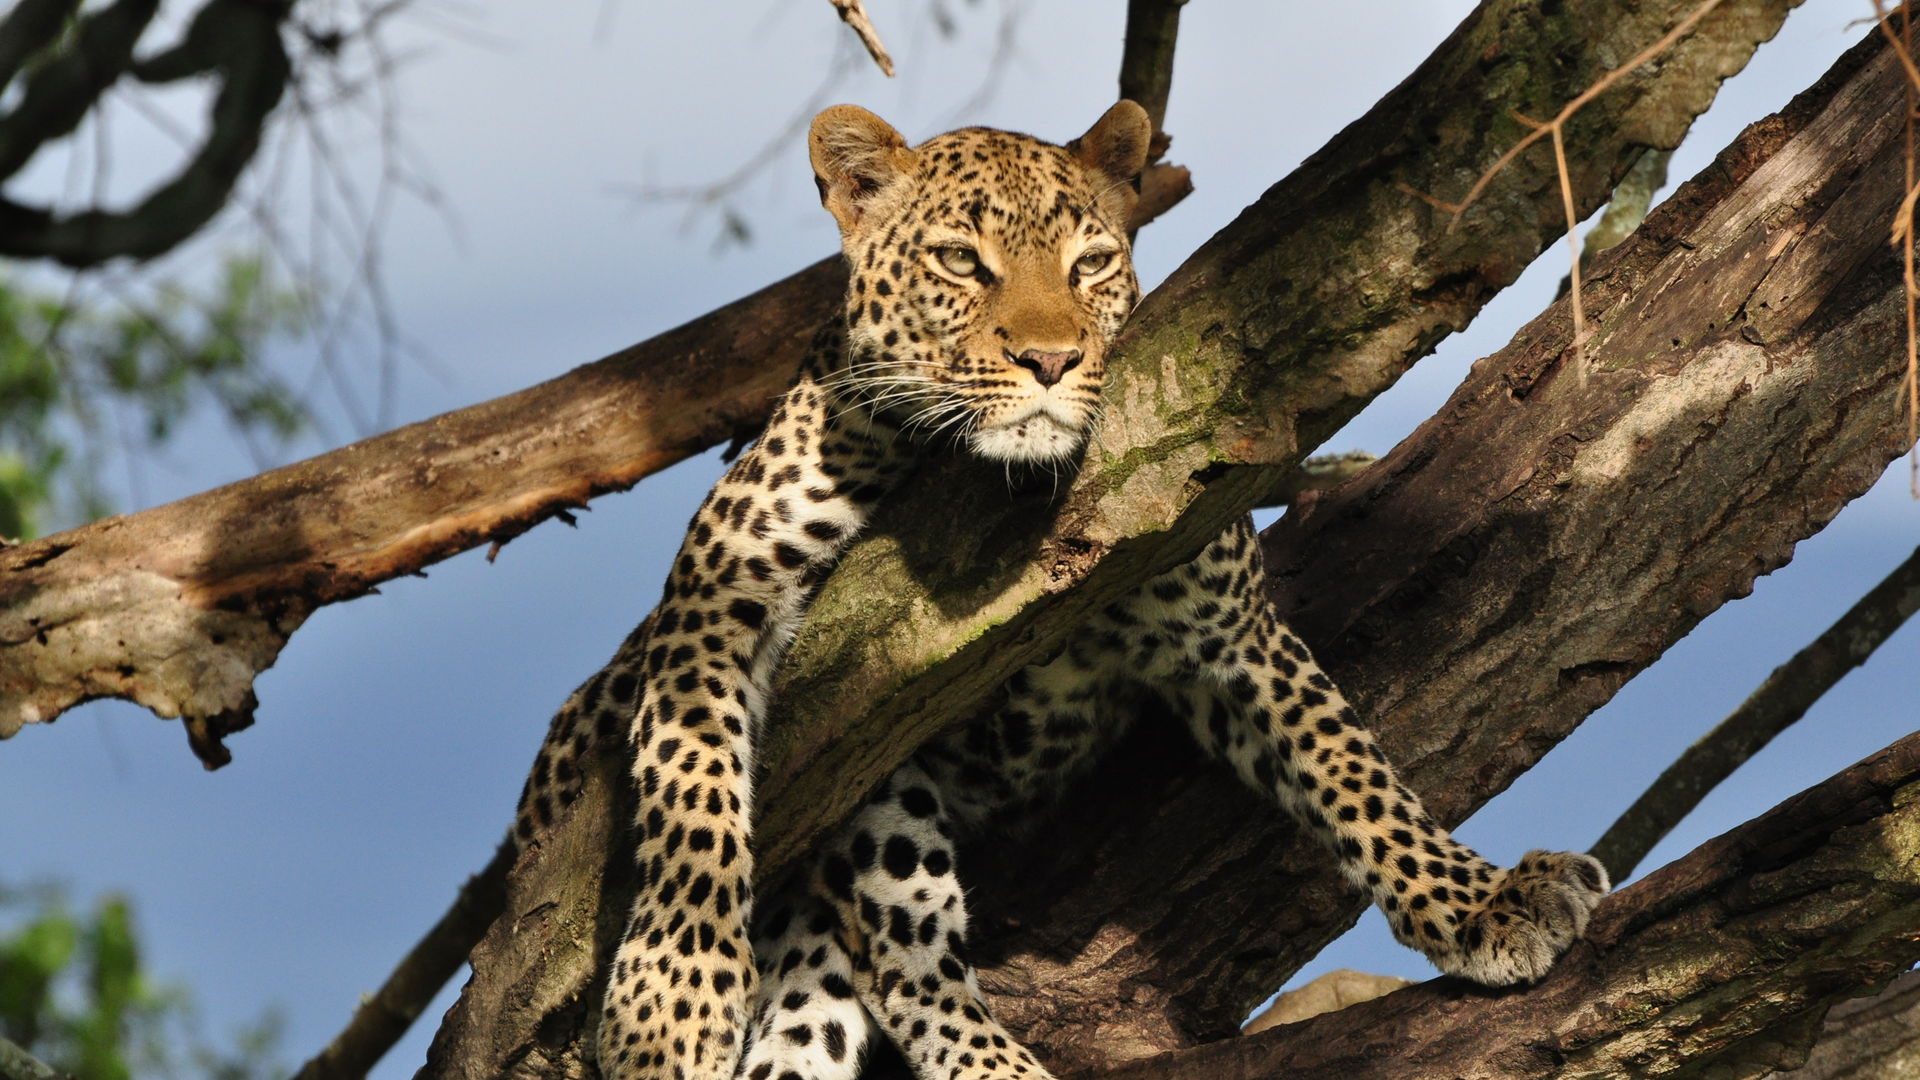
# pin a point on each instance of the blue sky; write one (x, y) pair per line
(394, 732)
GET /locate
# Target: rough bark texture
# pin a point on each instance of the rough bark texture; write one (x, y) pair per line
(1278, 330)
(1502, 572)
(179, 607)
(1873, 1039)
(1721, 964)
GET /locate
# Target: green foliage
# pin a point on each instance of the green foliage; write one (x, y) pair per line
(83, 386)
(72, 994)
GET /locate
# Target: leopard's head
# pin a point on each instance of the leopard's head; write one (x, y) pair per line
(989, 274)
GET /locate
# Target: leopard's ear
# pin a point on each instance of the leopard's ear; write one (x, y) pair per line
(1114, 150)
(857, 158)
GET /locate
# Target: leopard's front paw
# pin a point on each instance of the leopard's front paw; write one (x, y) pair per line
(1533, 912)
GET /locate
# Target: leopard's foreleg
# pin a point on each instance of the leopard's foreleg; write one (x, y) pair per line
(1255, 697)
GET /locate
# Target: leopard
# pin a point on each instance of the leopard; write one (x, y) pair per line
(989, 274)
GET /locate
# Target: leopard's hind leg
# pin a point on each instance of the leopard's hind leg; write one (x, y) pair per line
(807, 1023)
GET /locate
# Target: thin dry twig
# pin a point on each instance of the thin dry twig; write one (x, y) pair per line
(854, 14)
(1903, 230)
(1556, 129)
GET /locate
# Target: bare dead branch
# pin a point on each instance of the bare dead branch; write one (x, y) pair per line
(1783, 698)
(1146, 61)
(854, 14)
(380, 1020)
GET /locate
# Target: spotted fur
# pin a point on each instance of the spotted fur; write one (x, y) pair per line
(989, 273)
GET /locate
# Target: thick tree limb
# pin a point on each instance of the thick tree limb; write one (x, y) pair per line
(1317, 297)
(1721, 964)
(1502, 572)
(1783, 698)
(179, 607)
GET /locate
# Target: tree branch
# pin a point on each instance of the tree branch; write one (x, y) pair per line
(1146, 62)
(28, 28)
(1723, 963)
(1273, 334)
(238, 38)
(179, 607)
(854, 14)
(59, 92)
(380, 1020)
(1786, 695)
(17, 1064)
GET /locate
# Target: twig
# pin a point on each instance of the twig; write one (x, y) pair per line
(381, 1019)
(854, 14)
(1782, 699)
(1556, 128)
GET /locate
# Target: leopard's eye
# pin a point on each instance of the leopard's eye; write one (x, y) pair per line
(1093, 262)
(958, 261)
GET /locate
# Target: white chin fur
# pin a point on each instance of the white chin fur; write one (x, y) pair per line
(1037, 438)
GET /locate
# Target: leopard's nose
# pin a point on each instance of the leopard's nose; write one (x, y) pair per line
(1048, 367)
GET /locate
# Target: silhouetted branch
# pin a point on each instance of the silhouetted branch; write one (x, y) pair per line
(28, 28)
(1783, 698)
(1146, 61)
(382, 1019)
(238, 39)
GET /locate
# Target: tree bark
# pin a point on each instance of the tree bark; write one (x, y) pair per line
(1723, 963)
(1874, 1039)
(1314, 300)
